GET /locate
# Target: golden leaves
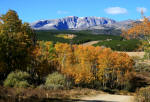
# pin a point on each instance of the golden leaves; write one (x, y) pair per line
(86, 63)
(138, 30)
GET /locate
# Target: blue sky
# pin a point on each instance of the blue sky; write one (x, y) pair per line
(32, 10)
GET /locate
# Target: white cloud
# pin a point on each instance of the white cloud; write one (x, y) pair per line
(139, 9)
(62, 12)
(116, 10)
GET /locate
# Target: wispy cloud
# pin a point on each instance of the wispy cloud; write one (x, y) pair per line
(62, 12)
(139, 9)
(116, 10)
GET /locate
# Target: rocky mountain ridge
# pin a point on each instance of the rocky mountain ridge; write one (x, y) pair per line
(80, 23)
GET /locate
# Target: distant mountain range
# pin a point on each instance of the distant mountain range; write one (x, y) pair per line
(81, 23)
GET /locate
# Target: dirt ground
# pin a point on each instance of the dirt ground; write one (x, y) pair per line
(90, 43)
(109, 98)
(138, 54)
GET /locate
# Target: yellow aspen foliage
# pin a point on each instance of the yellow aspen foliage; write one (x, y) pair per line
(84, 64)
(138, 30)
(15, 43)
(114, 66)
(45, 61)
(87, 63)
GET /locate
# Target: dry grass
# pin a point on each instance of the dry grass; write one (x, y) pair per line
(138, 54)
(66, 36)
(41, 93)
(135, 54)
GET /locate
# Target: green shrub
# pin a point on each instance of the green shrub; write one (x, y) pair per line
(56, 81)
(143, 95)
(23, 84)
(54, 87)
(17, 79)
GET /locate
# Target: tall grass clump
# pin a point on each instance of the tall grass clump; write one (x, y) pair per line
(56, 81)
(143, 95)
(17, 79)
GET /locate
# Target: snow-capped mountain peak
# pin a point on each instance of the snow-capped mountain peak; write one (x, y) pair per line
(71, 22)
